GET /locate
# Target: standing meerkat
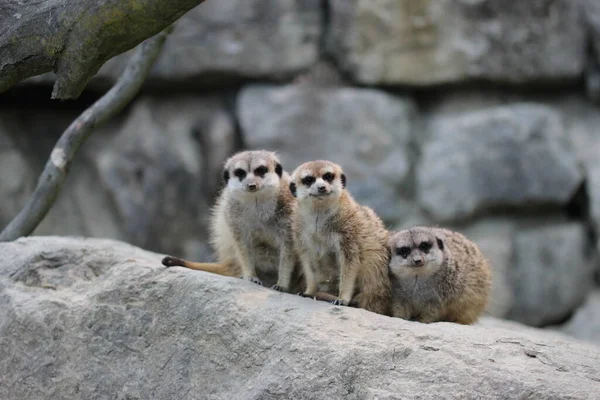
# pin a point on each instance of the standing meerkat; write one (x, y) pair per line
(342, 245)
(437, 275)
(251, 224)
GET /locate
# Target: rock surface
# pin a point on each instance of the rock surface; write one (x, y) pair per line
(16, 179)
(424, 42)
(585, 324)
(366, 131)
(147, 177)
(96, 318)
(501, 157)
(552, 272)
(591, 11)
(163, 168)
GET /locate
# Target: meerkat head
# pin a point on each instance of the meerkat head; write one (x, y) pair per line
(415, 251)
(253, 173)
(318, 181)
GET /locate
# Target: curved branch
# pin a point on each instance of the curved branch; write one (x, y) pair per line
(55, 172)
(74, 38)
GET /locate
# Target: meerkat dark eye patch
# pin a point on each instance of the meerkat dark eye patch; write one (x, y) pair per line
(425, 246)
(240, 173)
(226, 176)
(261, 171)
(328, 176)
(403, 251)
(440, 243)
(308, 180)
(343, 178)
(293, 188)
(279, 169)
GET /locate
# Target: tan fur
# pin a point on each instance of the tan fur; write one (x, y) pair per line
(342, 245)
(451, 283)
(251, 231)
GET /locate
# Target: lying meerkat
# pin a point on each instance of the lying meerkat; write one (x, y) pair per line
(437, 275)
(342, 245)
(251, 224)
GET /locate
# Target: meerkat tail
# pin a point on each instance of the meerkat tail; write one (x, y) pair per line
(219, 269)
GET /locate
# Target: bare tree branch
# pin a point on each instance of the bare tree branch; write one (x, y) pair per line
(74, 38)
(55, 172)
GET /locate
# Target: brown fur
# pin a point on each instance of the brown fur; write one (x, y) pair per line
(342, 245)
(449, 282)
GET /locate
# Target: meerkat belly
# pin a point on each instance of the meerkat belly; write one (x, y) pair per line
(324, 251)
(417, 294)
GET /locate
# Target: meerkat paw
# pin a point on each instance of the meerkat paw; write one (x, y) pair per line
(339, 302)
(302, 294)
(279, 288)
(253, 279)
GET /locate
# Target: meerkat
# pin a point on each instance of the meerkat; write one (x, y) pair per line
(341, 244)
(251, 224)
(437, 275)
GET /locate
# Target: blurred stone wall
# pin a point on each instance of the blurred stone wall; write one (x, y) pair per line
(478, 115)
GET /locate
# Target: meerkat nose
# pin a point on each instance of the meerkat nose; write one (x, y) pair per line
(252, 187)
(322, 189)
(417, 261)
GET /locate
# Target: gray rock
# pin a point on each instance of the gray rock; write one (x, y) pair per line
(423, 42)
(585, 324)
(582, 121)
(502, 157)
(591, 12)
(163, 169)
(82, 207)
(83, 318)
(552, 272)
(16, 177)
(366, 131)
(222, 41)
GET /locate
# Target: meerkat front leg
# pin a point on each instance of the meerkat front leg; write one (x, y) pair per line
(400, 311)
(287, 258)
(309, 274)
(247, 263)
(348, 273)
(429, 315)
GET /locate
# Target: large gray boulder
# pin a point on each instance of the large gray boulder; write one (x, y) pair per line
(423, 42)
(366, 131)
(552, 272)
(496, 158)
(84, 318)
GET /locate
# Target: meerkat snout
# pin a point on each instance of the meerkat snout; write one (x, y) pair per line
(417, 261)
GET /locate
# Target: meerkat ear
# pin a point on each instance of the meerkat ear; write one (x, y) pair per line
(278, 169)
(226, 176)
(343, 178)
(440, 243)
(293, 188)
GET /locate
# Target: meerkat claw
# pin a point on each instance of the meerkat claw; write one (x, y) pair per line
(254, 279)
(278, 288)
(339, 302)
